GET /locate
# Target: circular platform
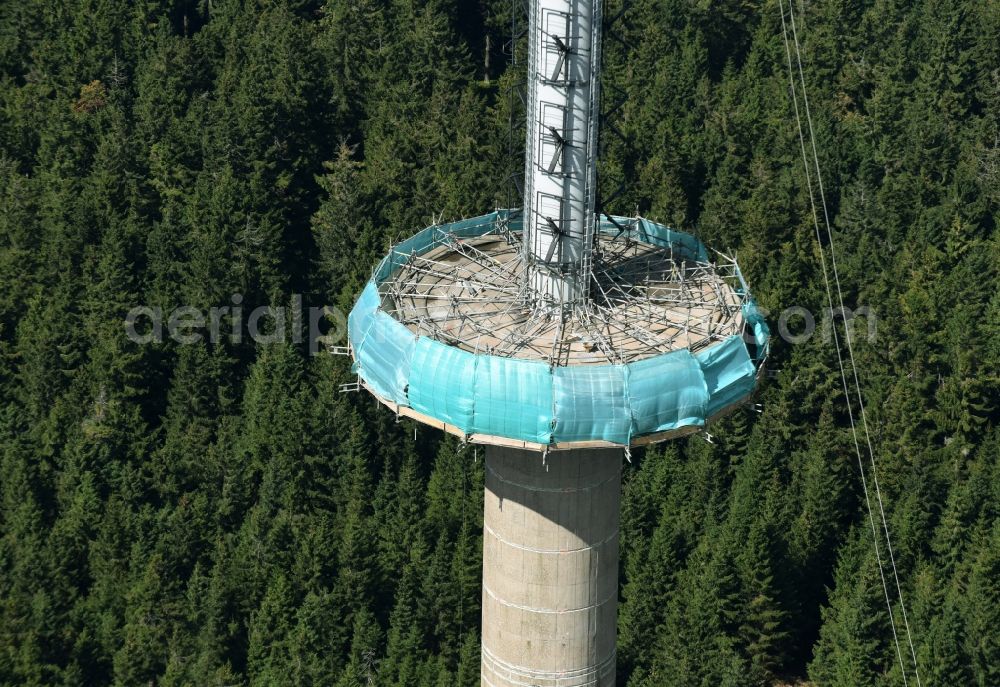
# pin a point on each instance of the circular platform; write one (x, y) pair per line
(448, 332)
(645, 300)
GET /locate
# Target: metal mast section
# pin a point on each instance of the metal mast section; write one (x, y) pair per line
(564, 56)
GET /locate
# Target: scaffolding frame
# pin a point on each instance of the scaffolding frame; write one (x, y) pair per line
(644, 300)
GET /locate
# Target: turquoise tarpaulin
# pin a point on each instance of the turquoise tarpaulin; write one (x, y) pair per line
(666, 392)
(439, 382)
(386, 355)
(729, 373)
(530, 401)
(591, 402)
(513, 398)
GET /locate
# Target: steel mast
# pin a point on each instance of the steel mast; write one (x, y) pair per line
(561, 150)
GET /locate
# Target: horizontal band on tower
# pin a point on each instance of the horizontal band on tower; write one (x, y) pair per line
(491, 531)
(548, 611)
(515, 674)
(552, 490)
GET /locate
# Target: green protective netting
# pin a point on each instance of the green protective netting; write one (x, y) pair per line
(431, 237)
(383, 347)
(640, 229)
(360, 319)
(665, 237)
(475, 226)
(666, 392)
(512, 398)
(761, 333)
(526, 399)
(439, 382)
(730, 375)
(591, 402)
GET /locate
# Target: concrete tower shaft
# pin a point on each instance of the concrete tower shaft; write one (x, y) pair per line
(564, 55)
(550, 568)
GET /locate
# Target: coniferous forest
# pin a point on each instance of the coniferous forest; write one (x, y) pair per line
(219, 513)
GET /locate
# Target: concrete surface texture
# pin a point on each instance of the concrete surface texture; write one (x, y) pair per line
(550, 567)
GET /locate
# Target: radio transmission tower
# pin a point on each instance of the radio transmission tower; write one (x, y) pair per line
(559, 339)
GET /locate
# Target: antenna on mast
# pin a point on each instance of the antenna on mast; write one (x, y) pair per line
(563, 110)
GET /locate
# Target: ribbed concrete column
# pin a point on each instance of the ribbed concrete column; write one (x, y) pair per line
(550, 568)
